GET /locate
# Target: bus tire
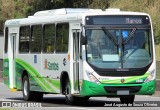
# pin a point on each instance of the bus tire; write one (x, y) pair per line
(70, 99)
(27, 94)
(30, 95)
(127, 99)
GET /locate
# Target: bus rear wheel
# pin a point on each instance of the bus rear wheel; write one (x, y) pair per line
(127, 99)
(30, 95)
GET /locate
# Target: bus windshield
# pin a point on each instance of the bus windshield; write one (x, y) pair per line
(118, 48)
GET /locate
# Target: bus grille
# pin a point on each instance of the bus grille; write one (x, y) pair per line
(113, 89)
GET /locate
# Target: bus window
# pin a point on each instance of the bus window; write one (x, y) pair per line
(24, 39)
(36, 39)
(49, 38)
(62, 33)
(6, 40)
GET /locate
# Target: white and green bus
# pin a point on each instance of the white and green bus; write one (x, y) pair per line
(80, 53)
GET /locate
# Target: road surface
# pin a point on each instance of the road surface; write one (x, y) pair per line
(58, 102)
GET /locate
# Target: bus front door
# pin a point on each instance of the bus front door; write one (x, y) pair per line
(76, 60)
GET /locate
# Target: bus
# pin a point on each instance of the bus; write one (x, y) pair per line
(80, 53)
(1, 45)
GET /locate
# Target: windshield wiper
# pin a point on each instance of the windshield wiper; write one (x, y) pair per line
(109, 36)
(130, 35)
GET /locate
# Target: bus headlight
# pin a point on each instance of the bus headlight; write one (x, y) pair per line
(92, 78)
(150, 77)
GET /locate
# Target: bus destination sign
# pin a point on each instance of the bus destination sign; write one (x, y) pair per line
(133, 21)
(117, 20)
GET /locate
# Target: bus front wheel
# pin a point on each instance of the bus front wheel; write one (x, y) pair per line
(127, 99)
(70, 99)
(30, 95)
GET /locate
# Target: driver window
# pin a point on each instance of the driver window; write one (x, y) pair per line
(97, 42)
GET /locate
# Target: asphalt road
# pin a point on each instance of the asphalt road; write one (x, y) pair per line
(96, 103)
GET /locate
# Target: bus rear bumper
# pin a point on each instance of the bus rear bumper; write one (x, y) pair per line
(93, 89)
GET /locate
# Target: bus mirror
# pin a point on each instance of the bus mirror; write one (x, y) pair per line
(83, 40)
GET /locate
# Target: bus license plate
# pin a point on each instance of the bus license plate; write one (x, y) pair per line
(123, 92)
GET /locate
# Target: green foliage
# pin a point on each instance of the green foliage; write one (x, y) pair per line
(23, 8)
(54, 4)
(7, 9)
(102, 4)
(6, 12)
(1, 23)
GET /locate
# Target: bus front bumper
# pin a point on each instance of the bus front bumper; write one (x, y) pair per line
(93, 89)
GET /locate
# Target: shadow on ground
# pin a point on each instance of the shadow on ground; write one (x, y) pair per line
(60, 102)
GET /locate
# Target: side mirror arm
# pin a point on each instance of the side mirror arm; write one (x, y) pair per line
(83, 40)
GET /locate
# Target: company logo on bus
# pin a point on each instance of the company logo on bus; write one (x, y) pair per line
(122, 80)
(50, 65)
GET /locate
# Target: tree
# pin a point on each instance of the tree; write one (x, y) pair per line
(54, 4)
(23, 8)
(7, 9)
(102, 4)
(1, 22)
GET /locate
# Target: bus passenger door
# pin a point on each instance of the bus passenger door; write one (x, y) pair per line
(76, 60)
(12, 56)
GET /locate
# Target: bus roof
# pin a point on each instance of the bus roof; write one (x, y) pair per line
(66, 14)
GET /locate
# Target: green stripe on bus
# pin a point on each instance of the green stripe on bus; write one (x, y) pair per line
(45, 84)
(33, 73)
(5, 74)
(127, 80)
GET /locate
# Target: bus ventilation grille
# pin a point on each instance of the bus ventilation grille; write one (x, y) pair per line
(113, 89)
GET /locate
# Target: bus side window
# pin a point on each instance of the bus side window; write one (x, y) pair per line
(6, 40)
(24, 39)
(49, 38)
(62, 35)
(36, 39)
